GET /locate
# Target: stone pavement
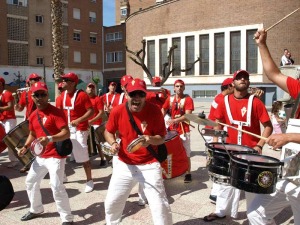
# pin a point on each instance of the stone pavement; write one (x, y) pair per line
(189, 202)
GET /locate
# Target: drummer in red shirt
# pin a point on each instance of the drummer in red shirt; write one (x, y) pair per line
(139, 166)
(7, 116)
(160, 96)
(111, 98)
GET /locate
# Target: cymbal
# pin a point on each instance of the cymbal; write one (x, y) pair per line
(194, 118)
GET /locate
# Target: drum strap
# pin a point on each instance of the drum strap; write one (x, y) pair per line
(240, 124)
(122, 95)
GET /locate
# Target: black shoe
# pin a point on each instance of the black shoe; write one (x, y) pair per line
(30, 216)
(213, 198)
(102, 163)
(188, 178)
(66, 223)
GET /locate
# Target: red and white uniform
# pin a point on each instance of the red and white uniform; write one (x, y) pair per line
(110, 100)
(157, 98)
(26, 101)
(214, 105)
(49, 162)
(137, 167)
(97, 104)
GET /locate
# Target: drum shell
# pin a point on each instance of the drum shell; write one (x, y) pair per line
(262, 176)
(16, 138)
(218, 159)
(99, 133)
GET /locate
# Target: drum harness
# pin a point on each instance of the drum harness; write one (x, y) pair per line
(69, 108)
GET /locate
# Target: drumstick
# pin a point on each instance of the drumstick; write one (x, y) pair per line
(247, 132)
(189, 124)
(275, 24)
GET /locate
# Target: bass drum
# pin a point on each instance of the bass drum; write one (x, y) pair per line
(255, 173)
(176, 163)
(2, 134)
(16, 138)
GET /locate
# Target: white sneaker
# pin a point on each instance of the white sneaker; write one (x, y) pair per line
(89, 186)
(142, 202)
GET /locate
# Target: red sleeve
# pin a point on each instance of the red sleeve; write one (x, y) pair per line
(22, 101)
(293, 87)
(166, 105)
(189, 104)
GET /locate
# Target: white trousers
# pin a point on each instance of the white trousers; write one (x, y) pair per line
(80, 147)
(262, 208)
(38, 170)
(123, 179)
(186, 141)
(8, 125)
(227, 202)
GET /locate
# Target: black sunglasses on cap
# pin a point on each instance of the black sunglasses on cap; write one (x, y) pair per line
(67, 80)
(35, 79)
(42, 95)
(137, 93)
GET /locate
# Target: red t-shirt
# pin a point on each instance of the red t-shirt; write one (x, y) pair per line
(97, 106)
(214, 105)
(53, 120)
(58, 101)
(239, 109)
(113, 99)
(81, 105)
(146, 122)
(26, 101)
(157, 98)
(294, 89)
(7, 97)
(177, 110)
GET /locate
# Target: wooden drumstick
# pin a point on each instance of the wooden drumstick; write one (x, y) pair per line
(275, 24)
(189, 124)
(247, 132)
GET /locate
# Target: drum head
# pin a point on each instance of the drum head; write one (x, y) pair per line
(106, 149)
(135, 144)
(36, 148)
(254, 159)
(229, 147)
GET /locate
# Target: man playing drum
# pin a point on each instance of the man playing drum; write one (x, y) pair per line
(139, 166)
(245, 112)
(180, 104)
(49, 161)
(78, 109)
(263, 208)
(111, 98)
(7, 117)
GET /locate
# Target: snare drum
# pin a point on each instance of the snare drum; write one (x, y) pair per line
(16, 138)
(177, 161)
(255, 173)
(218, 160)
(136, 144)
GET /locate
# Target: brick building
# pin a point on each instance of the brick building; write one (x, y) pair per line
(219, 32)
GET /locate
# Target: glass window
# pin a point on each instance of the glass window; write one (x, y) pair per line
(190, 55)
(204, 93)
(151, 57)
(93, 58)
(39, 19)
(163, 55)
(204, 54)
(92, 17)
(109, 37)
(114, 57)
(39, 42)
(118, 36)
(76, 13)
(76, 36)
(93, 38)
(235, 51)
(77, 57)
(123, 12)
(219, 53)
(40, 61)
(251, 66)
(177, 56)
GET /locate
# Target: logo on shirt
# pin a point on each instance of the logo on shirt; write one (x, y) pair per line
(44, 120)
(144, 126)
(243, 111)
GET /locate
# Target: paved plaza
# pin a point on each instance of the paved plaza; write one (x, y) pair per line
(189, 202)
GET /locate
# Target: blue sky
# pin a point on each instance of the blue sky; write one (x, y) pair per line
(109, 12)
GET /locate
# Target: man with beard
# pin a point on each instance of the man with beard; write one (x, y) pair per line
(246, 112)
(139, 166)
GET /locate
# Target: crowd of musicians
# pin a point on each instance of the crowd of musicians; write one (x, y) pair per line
(134, 124)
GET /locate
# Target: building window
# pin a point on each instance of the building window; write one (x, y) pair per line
(76, 36)
(204, 94)
(251, 65)
(39, 60)
(39, 42)
(151, 56)
(77, 57)
(76, 14)
(17, 2)
(124, 12)
(39, 19)
(114, 36)
(92, 17)
(190, 55)
(118, 36)
(219, 53)
(177, 56)
(93, 58)
(93, 38)
(204, 54)
(93, 1)
(235, 51)
(114, 57)
(163, 54)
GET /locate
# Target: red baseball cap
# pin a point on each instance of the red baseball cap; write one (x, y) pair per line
(112, 83)
(179, 81)
(156, 79)
(125, 79)
(71, 76)
(60, 85)
(2, 80)
(227, 81)
(91, 84)
(238, 72)
(34, 76)
(39, 86)
(136, 85)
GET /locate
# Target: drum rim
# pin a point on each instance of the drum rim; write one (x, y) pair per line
(15, 128)
(257, 164)
(136, 140)
(228, 144)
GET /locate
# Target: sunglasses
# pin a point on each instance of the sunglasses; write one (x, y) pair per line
(35, 79)
(179, 86)
(67, 80)
(242, 77)
(133, 94)
(43, 95)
